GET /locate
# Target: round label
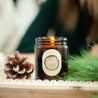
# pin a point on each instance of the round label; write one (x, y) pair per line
(51, 62)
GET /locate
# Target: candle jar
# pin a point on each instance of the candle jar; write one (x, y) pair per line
(51, 57)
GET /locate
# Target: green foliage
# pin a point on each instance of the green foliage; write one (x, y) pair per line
(82, 68)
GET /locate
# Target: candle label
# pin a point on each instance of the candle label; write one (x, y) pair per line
(51, 62)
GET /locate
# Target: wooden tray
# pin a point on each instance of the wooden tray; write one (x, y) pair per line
(47, 89)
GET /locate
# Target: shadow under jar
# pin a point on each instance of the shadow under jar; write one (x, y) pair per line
(51, 57)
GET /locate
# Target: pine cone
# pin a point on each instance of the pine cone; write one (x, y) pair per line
(17, 67)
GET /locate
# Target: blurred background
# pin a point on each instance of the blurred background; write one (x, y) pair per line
(17, 15)
(15, 18)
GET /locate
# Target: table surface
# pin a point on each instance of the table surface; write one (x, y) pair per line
(47, 89)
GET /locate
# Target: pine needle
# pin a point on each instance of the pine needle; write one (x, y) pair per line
(82, 68)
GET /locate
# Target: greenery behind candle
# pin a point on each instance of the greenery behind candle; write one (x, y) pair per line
(82, 68)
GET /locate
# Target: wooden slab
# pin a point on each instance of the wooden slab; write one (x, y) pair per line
(47, 89)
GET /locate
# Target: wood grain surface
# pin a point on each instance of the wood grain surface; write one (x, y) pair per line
(48, 89)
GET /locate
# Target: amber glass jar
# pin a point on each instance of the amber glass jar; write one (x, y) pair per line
(51, 57)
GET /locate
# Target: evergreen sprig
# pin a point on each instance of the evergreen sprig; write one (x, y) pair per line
(82, 68)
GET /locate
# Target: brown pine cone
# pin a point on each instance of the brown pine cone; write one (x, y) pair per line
(17, 67)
